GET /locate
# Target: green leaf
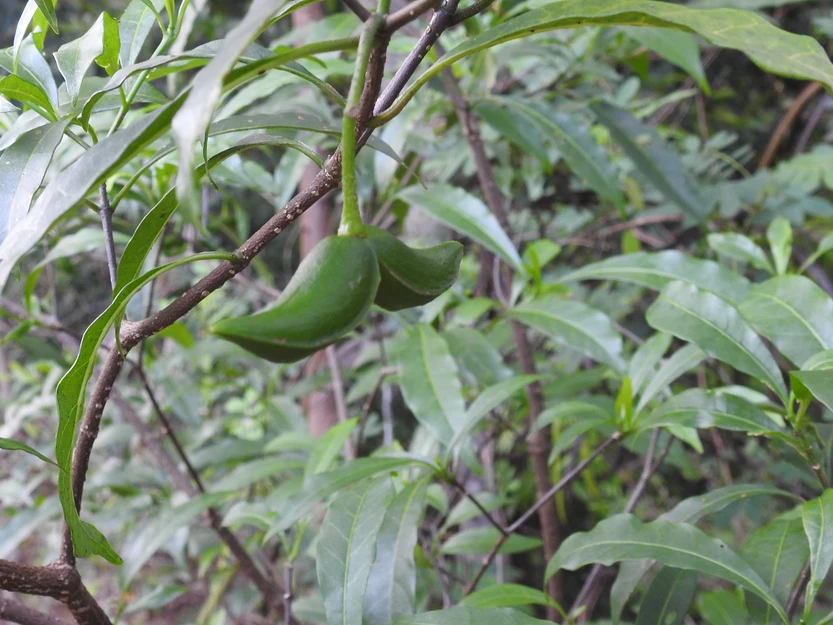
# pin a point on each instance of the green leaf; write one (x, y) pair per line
(777, 552)
(817, 517)
(75, 57)
(71, 397)
(780, 237)
(656, 270)
(643, 363)
(466, 510)
(347, 546)
(327, 448)
(24, 165)
(47, 9)
(480, 362)
(717, 328)
(658, 162)
(13, 445)
(682, 361)
(15, 88)
(678, 48)
(321, 486)
(505, 596)
(190, 123)
(740, 247)
(471, 616)
(466, 214)
(28, 63)
(792, 312)
(153, 535)
(698, 408)
(721, 607)
(576, 144)
(583, 410)
(668, 598)
(624, 537)
(480, 540)
(488, 400)
(391, 586)
(247, 473)
(516, 128)
(6, 106)
(574, 325)
(73, 184)
(430, 382)
(111, 45)
(819, 382)
(135, 25)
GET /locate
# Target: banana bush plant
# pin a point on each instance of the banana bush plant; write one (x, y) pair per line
(506, 399)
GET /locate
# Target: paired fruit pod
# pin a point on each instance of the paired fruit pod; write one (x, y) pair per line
(412, 277)
(329, 295)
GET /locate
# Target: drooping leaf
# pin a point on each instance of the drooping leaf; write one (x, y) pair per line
(780, 237)
(480, 540)
(347, 547)
(624, 537)
(740, 247)
(321, 486)
(71, 186)
(575, 325)
(699, 408)
(652, 157)
(471, 616)
(467, 215)
(777, 551)
(10, 444)
(75, 57)
(675, 47)
(643, 362)
(71, 398)
(817, 517)
(430, 382)
(668, 598)
(656, 270)
(682, 361)
(24, 165)
(505, 596)
(717, 328)
(391, 586)
(153, 535)
(792, 312)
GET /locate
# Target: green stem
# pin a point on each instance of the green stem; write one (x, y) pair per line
(351, 217)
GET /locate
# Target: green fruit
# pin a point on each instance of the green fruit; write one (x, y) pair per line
(328, 296)
(412, 277)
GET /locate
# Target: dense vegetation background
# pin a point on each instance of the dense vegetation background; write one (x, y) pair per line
(641, 327)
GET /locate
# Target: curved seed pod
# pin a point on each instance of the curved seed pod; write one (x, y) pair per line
(412, 277)
(328, 296)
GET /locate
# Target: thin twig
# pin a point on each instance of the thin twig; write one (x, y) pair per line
(786, 122)
(456, 483)
(105, 212)
(408, 14)
(338, 396)
(358, 9)
(287, 596)
(14, 611)
(470, 11)
(798, 591)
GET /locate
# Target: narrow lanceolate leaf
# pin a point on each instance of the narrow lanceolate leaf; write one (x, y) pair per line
(154, 534)
(16, 88)
(430, 382)
(516, 128)
(75, 57)
(574, 325)
(71, 396)
(467, 215)
(471, 616)
(624, 537)
(817, 517)
(780, 237)
(777, 552)
(505, 596)
(13, 445)
(574, 141)
(328, 447)
(717, 328)
(689, 510)
(700, 409)
(28, 63)
(481, 540)
(792, 312)
(391, 586)
(739, 247)
(642, 364)
(668, 598)
(656, 270)
(681, 362)
(135, 25)
(657, 161)
(678, 48)
(24, 165)
(347, 547)
(71, 186)
(190, 123)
